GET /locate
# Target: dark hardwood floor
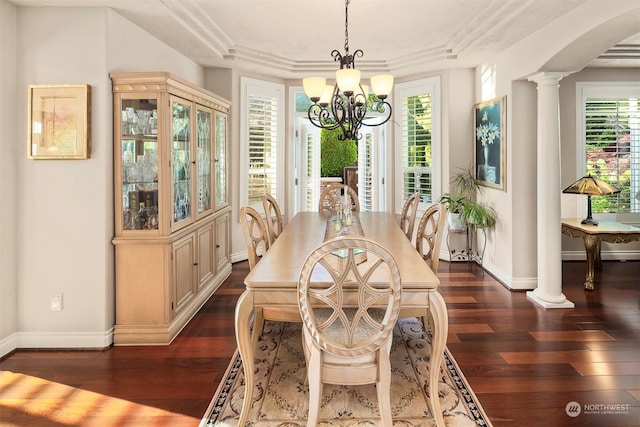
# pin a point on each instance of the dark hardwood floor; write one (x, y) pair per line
(525, 364)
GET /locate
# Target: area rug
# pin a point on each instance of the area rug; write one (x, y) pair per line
(281, 399)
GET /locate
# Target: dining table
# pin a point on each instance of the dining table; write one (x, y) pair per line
(273, 283)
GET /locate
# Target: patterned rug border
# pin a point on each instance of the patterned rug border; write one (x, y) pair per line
(217, 404)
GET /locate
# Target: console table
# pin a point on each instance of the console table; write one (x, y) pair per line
(593, 235)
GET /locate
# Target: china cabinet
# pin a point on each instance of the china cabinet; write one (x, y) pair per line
(171, 206)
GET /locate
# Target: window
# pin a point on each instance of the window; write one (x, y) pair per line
(417, 107)
(611, 144)
(262, 141)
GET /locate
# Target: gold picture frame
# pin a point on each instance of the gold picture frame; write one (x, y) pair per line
(490, 143)
(59, 121)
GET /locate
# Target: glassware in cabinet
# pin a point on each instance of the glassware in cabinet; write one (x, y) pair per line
(204, 160)
(139, 163)
(181, 160)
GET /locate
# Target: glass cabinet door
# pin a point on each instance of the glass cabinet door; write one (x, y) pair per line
(139, 164)
(181, 161)
(204, 176)
(221, 160)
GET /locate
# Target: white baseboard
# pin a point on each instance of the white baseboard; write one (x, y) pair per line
(238, 256)
(605, 255)
(60, 340)
(8, 344)
(523, 284)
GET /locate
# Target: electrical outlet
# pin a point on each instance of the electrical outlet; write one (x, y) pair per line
(56, 302)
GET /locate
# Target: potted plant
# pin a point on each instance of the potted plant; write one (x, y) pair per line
(454, 206)
(461, 207)
(477, 215)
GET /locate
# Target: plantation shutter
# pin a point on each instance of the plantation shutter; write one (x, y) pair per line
(612, 151)
(416, 123)
(263, 146)
(365, 171)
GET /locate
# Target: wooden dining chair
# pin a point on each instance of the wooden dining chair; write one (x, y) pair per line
(428, 238)
(255, 234)
(408, 216)
(334, 194)
(257, 240)
(348, 320)
(429, 235)
(273, 217)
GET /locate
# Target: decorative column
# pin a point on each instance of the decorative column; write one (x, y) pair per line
(549, 294)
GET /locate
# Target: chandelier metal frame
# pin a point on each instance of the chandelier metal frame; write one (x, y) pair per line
(347, 109)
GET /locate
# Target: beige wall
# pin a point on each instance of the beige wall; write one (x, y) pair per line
(62, 238)
(9, 146)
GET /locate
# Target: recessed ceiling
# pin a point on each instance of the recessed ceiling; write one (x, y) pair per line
(294, 38)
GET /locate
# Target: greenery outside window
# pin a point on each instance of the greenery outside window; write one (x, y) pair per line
(418, 104)
(611, 145)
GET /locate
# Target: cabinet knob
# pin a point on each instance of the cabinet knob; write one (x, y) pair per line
(195, 263)
(193, 162)
(217, 246)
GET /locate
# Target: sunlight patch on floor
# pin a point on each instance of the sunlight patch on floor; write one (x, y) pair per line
(66, 405)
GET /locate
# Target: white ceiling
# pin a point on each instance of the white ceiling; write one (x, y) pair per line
(294, 38)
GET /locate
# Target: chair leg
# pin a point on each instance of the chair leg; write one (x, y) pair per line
(383, 386)
(315, 387)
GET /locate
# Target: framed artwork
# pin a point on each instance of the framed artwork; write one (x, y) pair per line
(59, 120)
(490, 143)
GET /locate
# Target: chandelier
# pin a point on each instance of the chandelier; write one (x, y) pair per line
(346, 104)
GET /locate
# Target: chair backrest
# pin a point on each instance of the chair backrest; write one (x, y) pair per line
(349, 306)
(255, 234)
(429, 235)
(274, 217)
(408, 216)
(333, 194)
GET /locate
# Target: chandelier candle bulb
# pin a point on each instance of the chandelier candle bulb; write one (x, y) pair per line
(325, 99)
(314, 87)
(382, 85)
(348, 80)
(362, 94)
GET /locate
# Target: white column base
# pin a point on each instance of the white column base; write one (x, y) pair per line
(533, 296)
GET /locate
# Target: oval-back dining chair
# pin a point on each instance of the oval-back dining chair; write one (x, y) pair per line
(257, 241)
(428, 238)
(255, 234)
(429, 235)
(408, 216)
(334, 194)
(348, 310)
(274, 217)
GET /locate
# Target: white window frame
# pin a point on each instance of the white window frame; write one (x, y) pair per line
(429, 85)
(586, 90)
(249, 86)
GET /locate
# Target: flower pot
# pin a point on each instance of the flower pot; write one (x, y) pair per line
(455, 224)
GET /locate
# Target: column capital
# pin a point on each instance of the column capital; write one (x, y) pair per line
(547, 77)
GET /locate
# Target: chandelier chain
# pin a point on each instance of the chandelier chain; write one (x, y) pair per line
(346, 26)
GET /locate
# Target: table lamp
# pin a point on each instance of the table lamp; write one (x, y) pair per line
(591, 186)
